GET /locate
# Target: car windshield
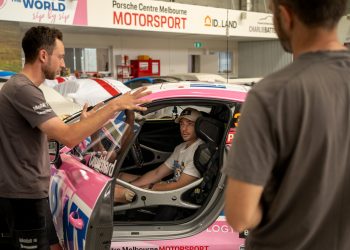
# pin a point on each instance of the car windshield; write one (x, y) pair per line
(102, 150)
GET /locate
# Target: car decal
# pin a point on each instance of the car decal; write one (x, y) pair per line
(74, 238)
(236, 119)
(66, 205)
(61, 79)
(104, 84)
(204, 85)
(54, 199)
(230, 136)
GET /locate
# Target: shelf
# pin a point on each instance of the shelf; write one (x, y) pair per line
(123, 72)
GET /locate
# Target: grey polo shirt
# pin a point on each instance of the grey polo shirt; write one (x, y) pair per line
(293, 139)
(24, 159)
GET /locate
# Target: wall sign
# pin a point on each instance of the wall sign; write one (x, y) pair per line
(145, 15)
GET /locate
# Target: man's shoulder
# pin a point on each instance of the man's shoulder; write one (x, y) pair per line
(299, 69)
(198, 142)
(195, 144)
(18, 82)
(291, 76)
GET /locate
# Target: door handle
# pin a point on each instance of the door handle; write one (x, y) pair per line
(76, 222)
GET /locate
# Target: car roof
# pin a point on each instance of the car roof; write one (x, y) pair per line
(60, 105)
(150, 79)
(201, 90)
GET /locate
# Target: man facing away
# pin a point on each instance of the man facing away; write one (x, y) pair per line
(180, 163)
(288, 169)
(26, 124)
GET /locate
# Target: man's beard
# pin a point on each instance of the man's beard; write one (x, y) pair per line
(282, 35)
(48, 73)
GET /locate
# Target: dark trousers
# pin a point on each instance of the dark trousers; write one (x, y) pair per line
(26, 224)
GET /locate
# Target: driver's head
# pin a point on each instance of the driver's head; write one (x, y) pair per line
(187, 120)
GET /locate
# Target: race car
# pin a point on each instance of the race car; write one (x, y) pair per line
(62, 106)
(5, 75)
(83, 179)
(87, 90)
(148, 80)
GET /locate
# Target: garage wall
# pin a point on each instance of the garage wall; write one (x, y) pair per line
(10, 46)
(344, 29)
(260, 58)
(173, 53)
(256, 5)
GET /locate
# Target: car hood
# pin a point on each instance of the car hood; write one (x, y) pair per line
(61, 105)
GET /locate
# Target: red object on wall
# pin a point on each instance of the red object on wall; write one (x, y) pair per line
(145, 68)
(123, 72)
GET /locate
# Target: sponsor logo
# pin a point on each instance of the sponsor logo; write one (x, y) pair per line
(220, 229)
(219, 23)
(266, 20)
(149, 20)
(259, 29)
(264, 25)
(102, 165)
(42, 109)
(149, 16)
(45, 5)
(230, 136)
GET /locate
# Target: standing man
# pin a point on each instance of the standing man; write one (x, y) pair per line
(26, 124)
(289, 167)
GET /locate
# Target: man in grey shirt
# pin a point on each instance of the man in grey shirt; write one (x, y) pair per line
(288, 169)
(26, 124)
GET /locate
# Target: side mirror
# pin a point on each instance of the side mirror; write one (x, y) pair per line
(54, 153)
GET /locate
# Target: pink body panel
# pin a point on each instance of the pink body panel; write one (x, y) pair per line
(212, 93)
(218, 236)
(89, 182)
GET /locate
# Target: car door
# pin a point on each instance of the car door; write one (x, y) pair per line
(81, 187)
(144, 223)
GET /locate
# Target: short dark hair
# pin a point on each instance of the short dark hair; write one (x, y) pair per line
(316, 13)
(37, 38)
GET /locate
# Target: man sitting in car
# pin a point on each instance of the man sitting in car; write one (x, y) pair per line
(180, 163)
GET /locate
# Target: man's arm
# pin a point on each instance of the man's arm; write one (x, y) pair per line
(71, 135)
(152, 176)
(242, 204)
(184, 180)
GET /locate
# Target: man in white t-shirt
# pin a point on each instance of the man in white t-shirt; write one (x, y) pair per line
(180, 163)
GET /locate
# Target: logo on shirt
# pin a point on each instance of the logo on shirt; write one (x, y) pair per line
(42, 109)
(178, 169)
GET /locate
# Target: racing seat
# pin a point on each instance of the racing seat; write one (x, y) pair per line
(206, 157)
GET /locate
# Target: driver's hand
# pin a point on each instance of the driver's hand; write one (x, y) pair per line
(129, 195)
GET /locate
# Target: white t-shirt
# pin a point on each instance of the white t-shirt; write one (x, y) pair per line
(181, 160)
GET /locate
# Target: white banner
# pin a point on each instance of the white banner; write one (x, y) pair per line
(143, 15)
(181, 18)
(66, 12)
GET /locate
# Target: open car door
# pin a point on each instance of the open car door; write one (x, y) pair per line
(81, 187)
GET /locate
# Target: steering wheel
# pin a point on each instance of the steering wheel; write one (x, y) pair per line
(136, 153)
(148, 197)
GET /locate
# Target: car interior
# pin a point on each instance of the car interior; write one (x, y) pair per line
(154, 143)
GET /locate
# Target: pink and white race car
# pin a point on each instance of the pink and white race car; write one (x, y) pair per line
(87, 90)
(189, 218)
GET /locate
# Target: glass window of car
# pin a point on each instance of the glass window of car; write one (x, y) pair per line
(106, 147)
